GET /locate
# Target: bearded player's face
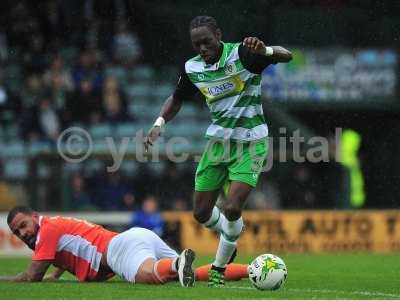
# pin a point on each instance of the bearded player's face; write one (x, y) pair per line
(206, 43)
(26, 228)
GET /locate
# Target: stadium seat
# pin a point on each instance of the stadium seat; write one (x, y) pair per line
(143, 111)
(100, 147)
(14, 77)
(129, 167)
(141, 73)
(119, 73)
(137, 92)
(162, 90)
(190, 111)
(132, 109)
(93, 165)
(71, 168)
(125, 130)
(36, 148)
(189, 129)
(12, 131)
(16, 168)
(13, 149)
(2, 134)
(100, 131)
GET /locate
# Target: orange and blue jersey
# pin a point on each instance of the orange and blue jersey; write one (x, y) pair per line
(74, 245)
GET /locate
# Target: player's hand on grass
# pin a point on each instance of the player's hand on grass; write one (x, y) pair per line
(255, 45)
(151, 137)
(49, 278)
(54, 276)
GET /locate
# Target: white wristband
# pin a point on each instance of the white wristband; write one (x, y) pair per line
(160, 122)
(269, 51)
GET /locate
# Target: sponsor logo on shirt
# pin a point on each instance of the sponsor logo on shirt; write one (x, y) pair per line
(220, 89)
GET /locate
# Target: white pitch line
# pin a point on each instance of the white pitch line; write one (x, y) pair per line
(325, 291)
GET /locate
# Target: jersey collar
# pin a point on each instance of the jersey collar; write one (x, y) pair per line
(221, 62)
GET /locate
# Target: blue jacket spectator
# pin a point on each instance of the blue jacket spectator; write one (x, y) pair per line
(149, 216)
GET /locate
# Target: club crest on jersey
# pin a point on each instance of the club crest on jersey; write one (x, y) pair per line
(230, 69)
(200, 76)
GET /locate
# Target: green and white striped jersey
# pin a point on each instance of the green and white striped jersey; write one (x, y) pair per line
(232, 93)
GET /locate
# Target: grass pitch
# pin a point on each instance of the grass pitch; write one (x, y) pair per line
(309, 277)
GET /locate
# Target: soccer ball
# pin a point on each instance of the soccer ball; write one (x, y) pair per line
(267, 272)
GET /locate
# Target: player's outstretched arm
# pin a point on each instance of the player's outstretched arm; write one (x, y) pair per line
(35, 272)
(276, 53)
(281, 54)
(16, 278)
(169, 110)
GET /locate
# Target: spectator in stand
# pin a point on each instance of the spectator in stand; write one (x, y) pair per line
(126, 47)
(58, 80)
(173, 177)
(114, 101)
(41, 122)
(89, 69)
(49, 121)
(85, 104)
(60, 97)
(79, 198)
(149, 216)
(35, 58)
(58, 70)
(32, 91)
(129, 202)
(111, 193)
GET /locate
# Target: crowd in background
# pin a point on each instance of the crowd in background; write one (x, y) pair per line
(63, 50)
(53, 61)
(108, 191)
(291, 186)
(51, 93)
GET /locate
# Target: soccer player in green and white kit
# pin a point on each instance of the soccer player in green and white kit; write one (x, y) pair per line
(228, 75)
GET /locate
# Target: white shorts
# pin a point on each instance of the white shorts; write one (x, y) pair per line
(128, 250)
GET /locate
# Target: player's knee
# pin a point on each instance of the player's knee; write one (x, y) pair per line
(146, 274)
(232, 212)
(201, 215)
(149, 274)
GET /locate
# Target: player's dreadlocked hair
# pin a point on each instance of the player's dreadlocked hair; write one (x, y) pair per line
(200, 21)
(16, 210)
